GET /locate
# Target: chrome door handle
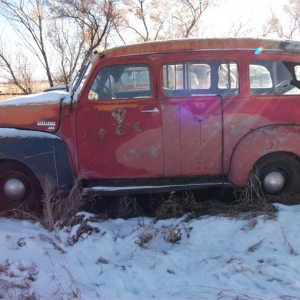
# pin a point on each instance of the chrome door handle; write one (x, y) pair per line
(154, 110)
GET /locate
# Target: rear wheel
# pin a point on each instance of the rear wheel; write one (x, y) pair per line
(276, 173)
(19, 187)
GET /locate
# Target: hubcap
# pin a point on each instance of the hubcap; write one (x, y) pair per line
(274, 182)
(14, 189)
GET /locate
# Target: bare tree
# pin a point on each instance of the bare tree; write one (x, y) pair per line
(17, 70)
(186, 17)
(60, 34)
(27, 17)
(275, 26)
(64, 39)
(93, 18)
(146, 19)
(239, 29)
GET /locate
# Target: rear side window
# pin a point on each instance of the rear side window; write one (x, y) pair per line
(122, 82)
(274, 77)
(228, 76)
(200, 78)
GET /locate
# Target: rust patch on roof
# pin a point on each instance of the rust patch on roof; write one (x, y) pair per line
(201, 44)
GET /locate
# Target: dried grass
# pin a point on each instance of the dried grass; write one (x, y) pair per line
(291, 248)
(255, 246)
(172, 235)
(8, 91)
(60, 211)
(31, 215)
(244, 204)
(8, 285)
(83, 230)
(56, 208)
(128, 207)
(174, 205)
(49, 240)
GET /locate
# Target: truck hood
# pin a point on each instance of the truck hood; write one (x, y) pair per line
(38, 111)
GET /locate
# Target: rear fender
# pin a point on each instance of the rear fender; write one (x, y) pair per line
(44, 153)
(259, 142)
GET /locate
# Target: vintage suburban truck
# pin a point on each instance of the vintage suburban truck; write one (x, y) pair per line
(160, 116)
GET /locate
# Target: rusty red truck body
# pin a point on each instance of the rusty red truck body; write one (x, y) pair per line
(160, 116)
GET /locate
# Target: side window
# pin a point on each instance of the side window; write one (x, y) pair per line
(122, 82)
(297, 72)
(274, 77)
(200, 78)
(260, 79)
(185, 78)
(228, 76)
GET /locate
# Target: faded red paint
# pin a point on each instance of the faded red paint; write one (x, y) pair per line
(44, 117)
(184, 138)
(269, 139)
(163, 136)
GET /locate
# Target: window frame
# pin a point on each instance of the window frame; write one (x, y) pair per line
(128, 64)
(279, 88)
(214, 65)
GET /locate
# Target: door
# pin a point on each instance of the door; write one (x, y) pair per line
(119, 131)
(193, 116)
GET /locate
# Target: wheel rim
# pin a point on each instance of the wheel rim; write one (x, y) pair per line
(14, 189)
(274, 182)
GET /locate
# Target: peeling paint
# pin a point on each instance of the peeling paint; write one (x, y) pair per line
(119, 115)
(102, 132)
(154, 151)
(136, 127)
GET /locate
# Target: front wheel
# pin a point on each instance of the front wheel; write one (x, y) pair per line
(276, 173)
(19, 187)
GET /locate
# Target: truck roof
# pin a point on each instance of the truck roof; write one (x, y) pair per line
(202, 44)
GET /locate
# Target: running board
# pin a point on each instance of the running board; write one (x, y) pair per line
(119, 190)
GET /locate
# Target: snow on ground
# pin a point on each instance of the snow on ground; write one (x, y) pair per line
(205, 258)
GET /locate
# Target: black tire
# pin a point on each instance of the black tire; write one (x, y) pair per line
(284, 163)
(32, 188)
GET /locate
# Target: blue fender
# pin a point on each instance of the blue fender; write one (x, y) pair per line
(45, 154)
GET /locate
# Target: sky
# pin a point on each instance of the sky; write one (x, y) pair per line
(218, 20)
(212, 257)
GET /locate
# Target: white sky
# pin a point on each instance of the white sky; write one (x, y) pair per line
(218, 20)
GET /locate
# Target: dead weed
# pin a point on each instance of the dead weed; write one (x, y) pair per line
(128, 207)
(57, 208)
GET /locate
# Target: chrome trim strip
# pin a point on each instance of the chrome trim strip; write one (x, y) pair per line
(126, 188)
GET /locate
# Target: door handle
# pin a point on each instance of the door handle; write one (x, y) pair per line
(154, 110)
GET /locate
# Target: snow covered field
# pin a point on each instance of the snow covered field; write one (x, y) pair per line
(205, 258)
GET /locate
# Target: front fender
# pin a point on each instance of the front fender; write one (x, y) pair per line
(44, 153)
(259, 142)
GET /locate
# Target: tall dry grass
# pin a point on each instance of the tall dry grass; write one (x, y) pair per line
(57, 208)
(8, 91)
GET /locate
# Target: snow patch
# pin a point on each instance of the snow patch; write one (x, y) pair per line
(206, 258)
(36, 99)
(19, 133)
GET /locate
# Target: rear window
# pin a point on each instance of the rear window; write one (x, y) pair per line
(274, 77)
